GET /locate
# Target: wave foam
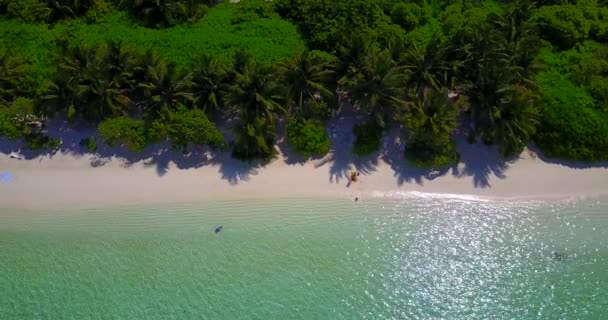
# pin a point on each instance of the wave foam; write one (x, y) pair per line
(428, 195)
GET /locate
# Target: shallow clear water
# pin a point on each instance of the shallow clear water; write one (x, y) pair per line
(412, 258)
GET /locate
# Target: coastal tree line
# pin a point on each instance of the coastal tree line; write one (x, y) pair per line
(507, 73)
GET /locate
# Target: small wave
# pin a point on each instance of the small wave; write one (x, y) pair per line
(428, 195)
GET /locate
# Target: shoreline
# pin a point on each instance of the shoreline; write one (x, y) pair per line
(71, 180)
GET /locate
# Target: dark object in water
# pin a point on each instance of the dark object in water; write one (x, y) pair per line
(218, 228)
(558, 256)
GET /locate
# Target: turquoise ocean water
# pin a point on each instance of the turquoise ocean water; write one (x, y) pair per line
(409, 258)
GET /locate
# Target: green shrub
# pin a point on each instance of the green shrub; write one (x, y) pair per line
(429, 125)
(598, 89)
(36, 141)
(35, 43)
(252, 10)
(563, 25)
(89, 143)
(437, 159)
(8, 127)
(16, 118)
(308, 137)
(267, 40)
(423, 34)
(571, 127)
(586, 65)
(322, 22)
(368, 139)
(409, 15)
(123, 131)
(28, 10)
(193, 126)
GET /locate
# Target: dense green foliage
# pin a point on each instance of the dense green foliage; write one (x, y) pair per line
(563, 25)
(125, 132)
(308, 137)
(322, 22)
(161, 14)
(192, 127)
(49, 10)
(575, 110)
(429, 126)
(267, 40)
(89, 143)
(368, 139)
(35, 141)
(571, 127)
(8, 127)
(152, 71)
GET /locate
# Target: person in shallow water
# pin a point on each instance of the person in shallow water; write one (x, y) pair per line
(218, 228)
(558, 256)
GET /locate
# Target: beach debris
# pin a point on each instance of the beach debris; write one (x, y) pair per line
(15, 155)
(218, 228)
(6, 177)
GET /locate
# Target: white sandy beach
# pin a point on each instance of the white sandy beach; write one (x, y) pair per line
(66, 179)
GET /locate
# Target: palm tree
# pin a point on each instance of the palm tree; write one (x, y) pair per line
(209, 84)
(429, 125)
(515, 118)
(241, 60)
(305, 77)
(257, 94)
(120, 64)
(428, 67)
(165, 89)
(103, 98)
(517, 42)
(59, 95)
(67, 8)
(191, 10)
(161, 14)
(152, 13)
(11, 70)
(76, 68)
(498, 61)
(379, 88)
(436, 116)
(93, 81)
(352, 56)
(255, 139)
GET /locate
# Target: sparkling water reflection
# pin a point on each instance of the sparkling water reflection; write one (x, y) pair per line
(411, 258)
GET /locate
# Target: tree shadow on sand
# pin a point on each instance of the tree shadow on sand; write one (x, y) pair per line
(233, 170)
(481, 163)
(159, 156)
(290, 156)
(535, 152)
(342, 164)
(340, 158)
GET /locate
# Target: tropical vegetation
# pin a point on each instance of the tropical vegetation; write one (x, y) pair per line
(505, 73)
